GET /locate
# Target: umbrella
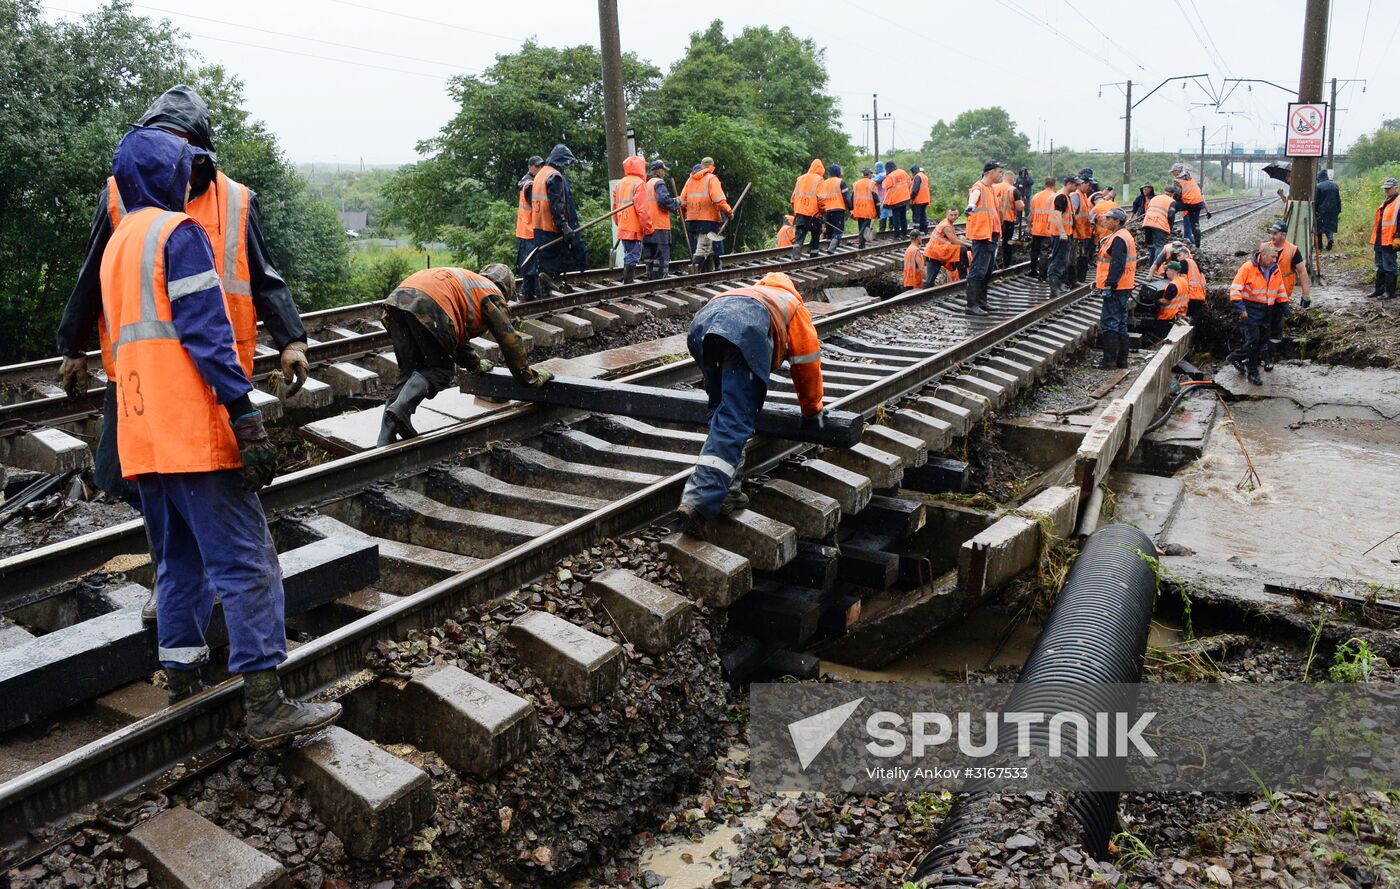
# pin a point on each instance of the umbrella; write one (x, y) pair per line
(1280, 171)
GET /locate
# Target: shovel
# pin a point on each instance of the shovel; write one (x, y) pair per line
(705, 245)
(589, 224)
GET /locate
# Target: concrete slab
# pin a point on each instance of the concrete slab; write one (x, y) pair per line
(814, 515)
(1039, 442)
(882, 468)
(1147, 392)
(543, 334)
(1101, 446)
(270, 405)
(580, 668)
(911, 450)
(938, 476)
(527, 466)
(404, 569)
(713, 574)
(368, 796)
(313, 394)
(850, 489)
(359, 431)
(1058, 505)
(958, 418)
(574, 327)
(12, 634)
(181, 850)
(600, 318)
(767, 543)
(936, 434)
(487, 348)
(348, 379)
(613, 362)
(629, 313)
(651, 617)
(1025, 373)
(476, 727)
(693, 301)
(847, 297)
(1181, 440)
(132, 702)
(1149, 502)
(894, 622)
(995, 556)
(45, 450)
(411, 517)
(997, 385)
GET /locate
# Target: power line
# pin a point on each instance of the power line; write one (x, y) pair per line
(1095, 26)
(441, 24)
(1211, 37)
(1042, 23)
(1362, 47)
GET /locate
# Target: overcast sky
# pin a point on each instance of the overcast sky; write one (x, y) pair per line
(383, 87)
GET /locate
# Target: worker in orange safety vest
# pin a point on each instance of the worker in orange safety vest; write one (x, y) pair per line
(914, 261)
(865, 203)
(806, 208)
(1257, 286)
(632, 224)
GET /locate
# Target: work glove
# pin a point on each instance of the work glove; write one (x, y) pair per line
(1208, 216)
(817, 420)
(566, 230)
(1307, 301)
(723, 218)
(295, 367)
(538, 377)
(483, 366)
(1064, 237)
(257, 450)
(73, 374)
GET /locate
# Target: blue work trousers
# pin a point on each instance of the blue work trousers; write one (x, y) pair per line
(1113, 315)
(736, 396)
(1191, 223)
(1385, 260)
(529, 272)
(106, 464)
(209, 540)
(631, 253)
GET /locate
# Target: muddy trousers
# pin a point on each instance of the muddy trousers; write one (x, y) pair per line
(1156, 240)
(417, 351)
(1255, 327)
(106, 464)
(1008, 232)
(1040, 243)
(920, 217)
(1057, 269)
(979, 275)
(657, 257)
(863, 228)
(736, 395)
(209, 541)
(1272, 348)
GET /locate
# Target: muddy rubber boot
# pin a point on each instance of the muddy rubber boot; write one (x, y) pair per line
(692, 522)
(1110, 352)
(796, 251)
(1389, 287)
(628, 273)
(181, 684)
(1124, 347)
(544, 286)
(401, 409)
(734, 501)
(148, 611)
(1254, 376)
(388, 430)
(1378, 291)
(1236, 362)
(272, 719)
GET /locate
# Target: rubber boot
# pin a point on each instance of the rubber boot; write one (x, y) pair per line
(148, 611)
(401, 409)
(1254, 376)
(1125, 344)
(832, 245)
(1379, 290)
(1389, 286)
(272, 719)
(388, 430)
(544, 286)
(181, 684)
(734, 501)
(628, 274)
(796, 251)
(1110, 352)
(693, 523)
(974, 303)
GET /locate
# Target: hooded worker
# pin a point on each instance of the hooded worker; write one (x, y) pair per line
(806, 208)
(704, 206)
(833, 199)
(555, 218)
(1327, 203)
(920, 196)
(228, 212)
(656, 201)
(786, 233)
(633, 223)
(1257, 287)
(191, 440)
(740, 338)
(525, 229)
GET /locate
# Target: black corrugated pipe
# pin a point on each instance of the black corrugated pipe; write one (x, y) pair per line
(1093, 640)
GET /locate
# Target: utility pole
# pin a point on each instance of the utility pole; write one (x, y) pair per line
(614, 104)
(1203, 159)
(1332, 129)
(1128, 142)
(874, 120)
(1303, 182)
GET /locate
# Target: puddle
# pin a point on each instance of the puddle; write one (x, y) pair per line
(1328, 495)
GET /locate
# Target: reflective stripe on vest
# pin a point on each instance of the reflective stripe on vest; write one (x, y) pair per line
(1125, 280)
(864, 204)
(984, 221)
(150, 327)
(660, 216)
(1042, 206)
(1083, 224)
(779, 304)
(542, 220)
(1190, 192)
(920, 191)
(829, 195)
(524, 216)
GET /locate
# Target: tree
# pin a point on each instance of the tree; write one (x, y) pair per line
(980, 134)
(1375, 149)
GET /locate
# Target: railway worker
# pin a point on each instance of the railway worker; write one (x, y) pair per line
(1193, 203)
(834, 199)
(1042, 207)
(1193, 279)
(1328, 205)
(657, 200)
(898, 189)
(946, 249)
(1385, 238)
(1172, 301)
(1257, 285)
(919, 198)
(1146, 193)
(704, 205)
(806, 208)
(1114, 278)
(1058, 268)
(1157, 221)
(786, 233)
(886, 214)
(1107, 201)
(739, 338)
(1082, 208)
(432, 317)
(983, 230)
(229, 214)
(1024, 183)
(634, 223)
(1011, 206)
(865, 203)
(1294, 272)
(191, 440)
(525, 230)
(914, 261)
(554, 216)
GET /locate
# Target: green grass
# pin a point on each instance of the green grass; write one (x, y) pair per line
(1361, 195)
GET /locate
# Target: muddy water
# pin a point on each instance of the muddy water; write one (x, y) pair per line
(1330, 491)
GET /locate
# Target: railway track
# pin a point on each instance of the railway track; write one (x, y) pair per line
(402, 538)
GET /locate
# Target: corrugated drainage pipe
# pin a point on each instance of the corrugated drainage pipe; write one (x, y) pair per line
(1094, 639)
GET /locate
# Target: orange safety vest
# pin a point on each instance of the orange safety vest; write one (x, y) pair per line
(943, 245)
(1190, 192)
(863, 192)
(1250, 285)
(703, 198)
(786, 234)
(829, 196)
(1156, 215)
(1042, 206)
(647, 204)
(1083, 223)
(1195, 280)
(913, 266)
(541, 219)
(459, 294)
(1006, 200)
(1097, 213)
(804, 194)
(222, 211)
(920, 190)
(1386, 223)
(984, 222)
(524, 216)
(630, 226)
(794, 339)
(897, 187)
(1125, 281)
(1287, 264)
(1177, 304)
(169, 419)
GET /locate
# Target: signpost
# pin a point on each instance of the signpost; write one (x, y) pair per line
(1306, 124)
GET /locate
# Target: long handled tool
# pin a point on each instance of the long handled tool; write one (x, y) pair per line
(589, 224)
(705, 244)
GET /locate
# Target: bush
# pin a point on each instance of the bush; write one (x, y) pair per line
(1361, 195)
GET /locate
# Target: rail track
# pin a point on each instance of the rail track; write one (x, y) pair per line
(523, 486)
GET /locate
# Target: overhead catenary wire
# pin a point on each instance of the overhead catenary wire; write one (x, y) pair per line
(427, 21)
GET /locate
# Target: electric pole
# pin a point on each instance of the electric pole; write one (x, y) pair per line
(1203, 159)
(874, 119)
(1128, 142)
(1303, 182)
(614, 104)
